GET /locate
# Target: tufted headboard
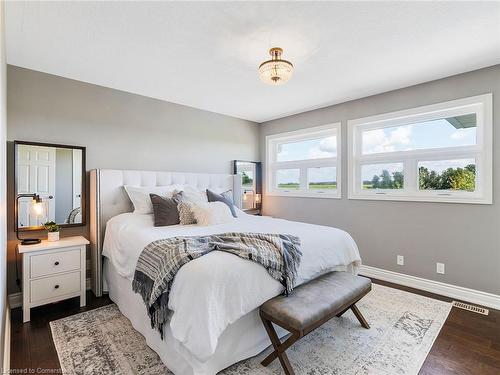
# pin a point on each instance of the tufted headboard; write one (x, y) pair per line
(108, 198)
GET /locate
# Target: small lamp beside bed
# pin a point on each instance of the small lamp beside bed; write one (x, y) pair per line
(255, 198)
(37, 210)
(252, 202)
(248, 200)
(258, 200)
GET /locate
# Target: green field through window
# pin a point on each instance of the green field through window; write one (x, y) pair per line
(320, 185)
(289, 185)
(323, 185)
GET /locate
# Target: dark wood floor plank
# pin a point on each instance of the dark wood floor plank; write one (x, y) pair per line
(468, 344)
(455, 333)
(32, 346)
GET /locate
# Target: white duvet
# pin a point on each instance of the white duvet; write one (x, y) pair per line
(214, 291)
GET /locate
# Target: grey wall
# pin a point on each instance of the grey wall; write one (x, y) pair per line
(120, 130)
(465, 237)
(64, 184)
(123, 130)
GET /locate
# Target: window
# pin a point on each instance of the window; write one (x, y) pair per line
(436, 153)
(304, 163)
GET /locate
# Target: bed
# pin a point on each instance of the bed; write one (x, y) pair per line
(215, 298)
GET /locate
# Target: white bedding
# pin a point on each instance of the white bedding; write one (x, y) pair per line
(230, 348)
(216, 290)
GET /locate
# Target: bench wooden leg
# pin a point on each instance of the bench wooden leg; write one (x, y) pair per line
(342, 312)
(279, 348)
(360, 317)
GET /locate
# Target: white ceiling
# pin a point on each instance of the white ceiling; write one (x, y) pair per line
(206, 55)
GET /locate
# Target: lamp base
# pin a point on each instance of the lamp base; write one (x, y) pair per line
(30, 241)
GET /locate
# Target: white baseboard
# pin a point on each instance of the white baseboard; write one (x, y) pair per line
(6, 341)
(16, 299)
(437, 287)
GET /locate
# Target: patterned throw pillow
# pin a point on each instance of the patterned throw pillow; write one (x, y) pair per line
(186, 215)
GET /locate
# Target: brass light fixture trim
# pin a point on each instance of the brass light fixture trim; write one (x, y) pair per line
(276, 71)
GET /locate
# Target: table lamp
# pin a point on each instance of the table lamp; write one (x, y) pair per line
(37, 208)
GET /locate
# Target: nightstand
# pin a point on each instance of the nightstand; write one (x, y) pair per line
(53, 271)
(253, 211)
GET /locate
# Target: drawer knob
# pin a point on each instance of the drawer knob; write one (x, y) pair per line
(56, 263)
(57, 286)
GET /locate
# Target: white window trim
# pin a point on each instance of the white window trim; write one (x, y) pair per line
(482, 152)
(272, 164)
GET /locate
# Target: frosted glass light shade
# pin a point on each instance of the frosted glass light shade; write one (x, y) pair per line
(37, 208)
(275, 71)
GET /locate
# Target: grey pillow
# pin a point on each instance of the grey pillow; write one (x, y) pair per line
(165, 209)
(224, 198)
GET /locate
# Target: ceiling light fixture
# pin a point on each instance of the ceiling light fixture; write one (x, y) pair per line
(275, 71)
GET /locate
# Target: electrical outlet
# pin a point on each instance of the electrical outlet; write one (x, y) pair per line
(400, 260)
(440, 268)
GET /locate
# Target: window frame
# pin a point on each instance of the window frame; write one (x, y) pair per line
(272, 141)
(481, 105)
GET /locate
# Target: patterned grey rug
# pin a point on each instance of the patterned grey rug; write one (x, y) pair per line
(403, 329)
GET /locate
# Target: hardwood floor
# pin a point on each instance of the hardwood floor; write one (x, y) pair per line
(468, 343)
(31, 343)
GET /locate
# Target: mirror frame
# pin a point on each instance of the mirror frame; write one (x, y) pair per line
(84, 183)
(258, 175)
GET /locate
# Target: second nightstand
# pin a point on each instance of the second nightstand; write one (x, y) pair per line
(53, 271)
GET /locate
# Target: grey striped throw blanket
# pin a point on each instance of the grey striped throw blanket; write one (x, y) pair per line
(160, 261)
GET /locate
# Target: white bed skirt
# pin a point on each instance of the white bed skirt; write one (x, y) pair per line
(242, 339)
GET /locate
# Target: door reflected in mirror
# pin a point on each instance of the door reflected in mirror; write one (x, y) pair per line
(56, 173)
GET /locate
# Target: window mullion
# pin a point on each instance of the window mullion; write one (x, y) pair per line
(325, 162)
(480, 174)
(358, 183)
(271, 183)
(303, 178)
(410, 176)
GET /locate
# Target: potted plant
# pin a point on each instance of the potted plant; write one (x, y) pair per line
(53, 230)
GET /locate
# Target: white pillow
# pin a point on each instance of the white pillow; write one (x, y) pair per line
(139, 195)
(192, 194)
(212, 213)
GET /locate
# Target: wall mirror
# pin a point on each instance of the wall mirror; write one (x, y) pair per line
(251, 183)
(55, 174)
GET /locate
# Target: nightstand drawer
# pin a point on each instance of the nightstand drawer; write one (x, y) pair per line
(49, 264)
(54, 286)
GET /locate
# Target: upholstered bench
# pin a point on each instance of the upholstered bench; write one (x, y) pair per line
(308, 307)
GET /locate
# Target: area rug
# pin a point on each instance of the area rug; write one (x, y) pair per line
(403, 329)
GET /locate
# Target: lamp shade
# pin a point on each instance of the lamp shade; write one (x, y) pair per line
(37, 207)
